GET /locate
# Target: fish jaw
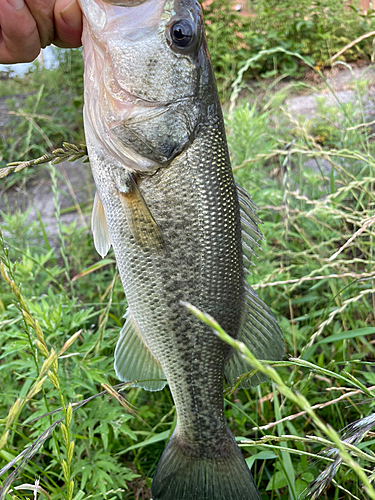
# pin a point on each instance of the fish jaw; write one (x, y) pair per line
(142, 97)
(106, 102)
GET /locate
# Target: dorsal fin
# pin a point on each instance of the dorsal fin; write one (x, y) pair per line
(242, 192)
(134, 360)
(249, 224)
(102, 240)
(261, 334)
(259, 329)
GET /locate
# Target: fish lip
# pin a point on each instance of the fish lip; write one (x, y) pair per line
(139, 101)
(125, 3)
(160, 104)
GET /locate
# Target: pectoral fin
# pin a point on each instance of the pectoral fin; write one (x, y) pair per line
(102, 240)
(140, 220)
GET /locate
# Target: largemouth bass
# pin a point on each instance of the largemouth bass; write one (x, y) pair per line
(180, 228)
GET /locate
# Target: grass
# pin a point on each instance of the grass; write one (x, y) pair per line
(61, 309)
(46, 112)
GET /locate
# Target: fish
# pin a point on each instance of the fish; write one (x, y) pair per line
(182, 231)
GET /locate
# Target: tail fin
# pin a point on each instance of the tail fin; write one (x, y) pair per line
(180, 476)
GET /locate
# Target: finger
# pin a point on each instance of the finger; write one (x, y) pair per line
(19, 36)
(42, 12)
(68, 23)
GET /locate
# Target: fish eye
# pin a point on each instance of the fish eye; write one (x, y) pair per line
(182, 33)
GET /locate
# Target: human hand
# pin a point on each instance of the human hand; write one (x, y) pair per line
(26, 26)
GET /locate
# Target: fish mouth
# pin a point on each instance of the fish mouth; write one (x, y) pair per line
(139, 126)
(125, 3)
(99, 14)
(137, 114)
(119, 105)
(144, 111)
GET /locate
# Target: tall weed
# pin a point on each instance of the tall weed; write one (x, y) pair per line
(313, 177)
(47, 112)
(315, 30)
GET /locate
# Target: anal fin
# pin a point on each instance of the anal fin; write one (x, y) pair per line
(134, 360)
(140, 220)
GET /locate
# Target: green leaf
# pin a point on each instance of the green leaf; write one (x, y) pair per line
(370, 377)
(307, 476)
(277, 481)
(154, 439)
(93, 268)
(80, 495)
(300, 486)
(262, 455)
(350, 334)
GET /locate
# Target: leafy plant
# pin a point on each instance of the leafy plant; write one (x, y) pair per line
(315, 30)
(317, 265)
(49, 113)
(225, 37)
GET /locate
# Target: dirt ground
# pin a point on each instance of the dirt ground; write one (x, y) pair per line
(75, 182)
(343, 82)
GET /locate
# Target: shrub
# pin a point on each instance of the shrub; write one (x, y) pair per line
(316, 30)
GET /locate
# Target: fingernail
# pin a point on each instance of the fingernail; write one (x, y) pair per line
(16, 4)
(71, 14)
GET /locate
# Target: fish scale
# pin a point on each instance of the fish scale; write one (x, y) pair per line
(205, 288)
(167, 203)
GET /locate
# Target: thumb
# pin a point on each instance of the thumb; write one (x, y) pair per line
(68, 23)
